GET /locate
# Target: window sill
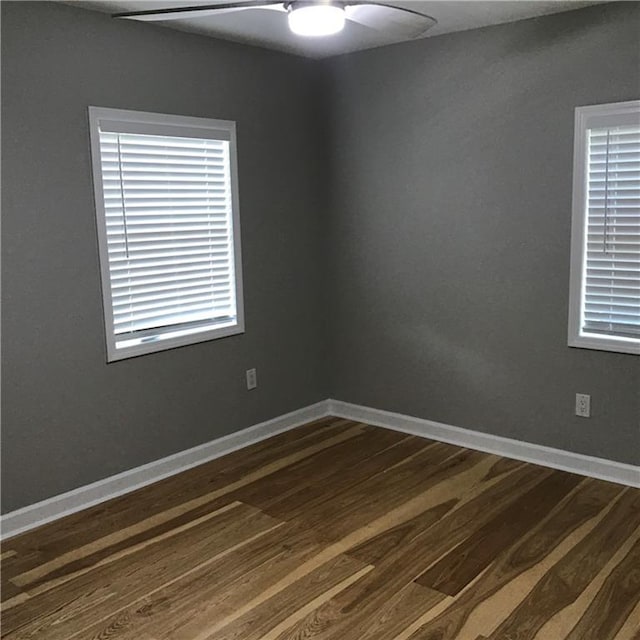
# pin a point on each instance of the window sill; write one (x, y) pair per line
(172, 341)
(605, 343)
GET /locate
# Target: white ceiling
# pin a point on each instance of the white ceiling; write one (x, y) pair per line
(268, 28)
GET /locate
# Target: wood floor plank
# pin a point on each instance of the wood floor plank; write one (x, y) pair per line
(570, 576)
(422, 545)
(116, 546)
(68, 533)
(130, 577)
(337, 531)
(353, 508)
(457, 569)
(561, 624)
(216, 589)
(307, 492)
(614, 603)
(290, 604)
(336, 467)
(370, 603)
(382, 600)
(165, 616)
(108, 545)
(441, 490)
(376, 550)
(477, 507)
(376, 617)
(10, 592)
(534, 547)
(631, 628)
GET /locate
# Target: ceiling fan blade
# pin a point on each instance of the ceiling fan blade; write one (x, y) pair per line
(195, 11)
(397, 21)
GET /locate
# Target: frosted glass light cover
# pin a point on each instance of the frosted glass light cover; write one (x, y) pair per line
(319, 20)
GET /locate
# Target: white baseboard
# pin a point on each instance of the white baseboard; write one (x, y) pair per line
(593, 467)
(67, 503)
(64, 504)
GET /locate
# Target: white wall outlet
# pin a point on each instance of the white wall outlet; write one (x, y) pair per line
(583, 405)
(252, 379)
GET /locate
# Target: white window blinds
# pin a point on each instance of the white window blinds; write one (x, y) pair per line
(168, 243)
(604, 294)
(612, 282)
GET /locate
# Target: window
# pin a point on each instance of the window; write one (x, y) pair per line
(604, 308)
(166, 196)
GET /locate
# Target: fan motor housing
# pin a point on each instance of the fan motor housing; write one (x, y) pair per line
(291, 5)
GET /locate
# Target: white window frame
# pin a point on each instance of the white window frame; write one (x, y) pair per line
(173, 125)
(595, 116)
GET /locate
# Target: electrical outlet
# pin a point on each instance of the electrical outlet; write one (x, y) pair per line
(583, 405)
(252, 379)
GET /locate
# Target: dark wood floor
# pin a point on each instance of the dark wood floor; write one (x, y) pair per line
(339, 531)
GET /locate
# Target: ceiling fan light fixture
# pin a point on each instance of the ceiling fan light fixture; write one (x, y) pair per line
(308, 19)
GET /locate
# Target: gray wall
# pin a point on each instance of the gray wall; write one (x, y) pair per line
(450, 229)
(409, 207)
(69, 418)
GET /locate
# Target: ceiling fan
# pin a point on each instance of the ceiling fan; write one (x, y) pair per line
(309, 17)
